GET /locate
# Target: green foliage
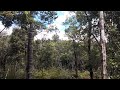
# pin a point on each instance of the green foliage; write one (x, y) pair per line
(54, 59)
(57, 73)
(55, 37)
(52, 73)
(19, 74)
(84, 75)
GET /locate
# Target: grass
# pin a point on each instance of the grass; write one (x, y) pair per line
(55, 73)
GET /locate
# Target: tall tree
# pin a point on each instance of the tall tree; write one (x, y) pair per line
(103, 46)
(17, 50)
(29, 66)
(89, 19)
(73, 32)
(26, 19)
(86, 18)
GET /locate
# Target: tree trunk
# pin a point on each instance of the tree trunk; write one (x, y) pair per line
(4, 66)
(89, 51)
(103, 46)
(76, 61)
(29, 53)
(89, 45)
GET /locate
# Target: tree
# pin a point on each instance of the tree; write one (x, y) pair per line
(73, 33)
(17, 52)
(29, 16)
(89, 44)
(103, 46)
(86, 18)
(4, 53)
(29, 53)
(25, 19)
(55, 37)
(112, 32)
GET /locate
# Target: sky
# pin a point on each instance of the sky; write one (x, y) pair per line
(62, 16)
(8, 31)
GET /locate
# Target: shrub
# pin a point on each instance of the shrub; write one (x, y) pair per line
(52, 73)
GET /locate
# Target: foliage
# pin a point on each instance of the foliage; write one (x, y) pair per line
(55, 59)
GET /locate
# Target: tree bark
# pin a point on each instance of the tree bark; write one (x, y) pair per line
(76, 61)
(4, 66)
(89, 46)
(103, 46)
(29, 53)
(89, 51)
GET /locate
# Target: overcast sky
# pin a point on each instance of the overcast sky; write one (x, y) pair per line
(62, 15)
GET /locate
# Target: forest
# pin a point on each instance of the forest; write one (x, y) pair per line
(92, 50)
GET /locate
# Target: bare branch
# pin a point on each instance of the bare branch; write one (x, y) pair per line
(2, 30)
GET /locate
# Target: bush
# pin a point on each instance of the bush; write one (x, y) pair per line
(84, 75)
(56, 73)
(52, 73)
(20, 74)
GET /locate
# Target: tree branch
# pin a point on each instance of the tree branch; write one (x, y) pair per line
(92, 33)
(96, 39)
(2, 30)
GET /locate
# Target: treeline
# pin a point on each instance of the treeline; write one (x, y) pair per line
(47, 54)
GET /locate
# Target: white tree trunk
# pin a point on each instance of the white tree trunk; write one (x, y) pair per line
(103, 46)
